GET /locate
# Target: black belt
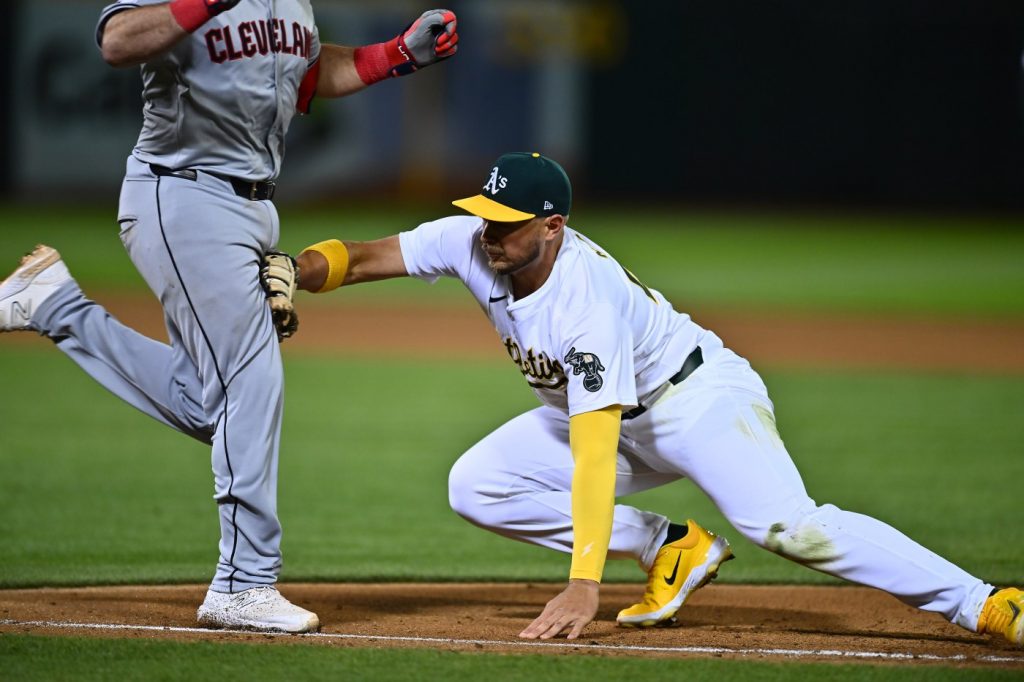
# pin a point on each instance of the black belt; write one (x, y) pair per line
(692, 362)
(253, 191)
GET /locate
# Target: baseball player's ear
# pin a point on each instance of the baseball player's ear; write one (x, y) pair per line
(554, 225)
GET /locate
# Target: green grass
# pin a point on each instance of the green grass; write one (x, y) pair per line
(94, 492)
(835, 263)
(40, 658)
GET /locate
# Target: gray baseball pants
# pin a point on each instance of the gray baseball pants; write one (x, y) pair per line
(198, 246)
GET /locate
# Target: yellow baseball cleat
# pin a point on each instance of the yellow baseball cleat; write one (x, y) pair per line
(679, 569)
(1002, 615)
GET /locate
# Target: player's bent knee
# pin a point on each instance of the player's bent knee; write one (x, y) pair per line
(463, 495)
(806, 538)
(479, 495)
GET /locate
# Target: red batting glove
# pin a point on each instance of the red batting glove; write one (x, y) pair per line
(428, 40)
(191, 14)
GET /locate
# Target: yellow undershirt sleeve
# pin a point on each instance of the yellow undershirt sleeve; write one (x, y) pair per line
(594, 441)
(336, 254)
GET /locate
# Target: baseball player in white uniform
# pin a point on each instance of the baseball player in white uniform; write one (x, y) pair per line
(222, 80)
(635, 395)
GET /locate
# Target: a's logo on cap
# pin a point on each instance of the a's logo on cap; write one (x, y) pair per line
(548, 206)
(496, 183)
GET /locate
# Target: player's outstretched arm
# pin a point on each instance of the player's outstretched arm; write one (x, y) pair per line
(428, 40)
(323, 267)
(329, 264)
(133, 36)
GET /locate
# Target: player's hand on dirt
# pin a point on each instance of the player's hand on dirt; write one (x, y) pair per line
(572, 609)
(279, 275)
(429, 39)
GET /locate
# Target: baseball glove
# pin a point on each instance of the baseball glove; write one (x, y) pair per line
(279, 275)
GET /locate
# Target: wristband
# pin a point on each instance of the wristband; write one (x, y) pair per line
(336, 254)
(382, 60)
(190, 14)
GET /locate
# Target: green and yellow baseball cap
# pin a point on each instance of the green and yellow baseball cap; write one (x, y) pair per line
(522, 185)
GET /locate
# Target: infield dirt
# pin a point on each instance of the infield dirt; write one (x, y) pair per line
(760, 622)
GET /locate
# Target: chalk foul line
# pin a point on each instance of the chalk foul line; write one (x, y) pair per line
(528, 644)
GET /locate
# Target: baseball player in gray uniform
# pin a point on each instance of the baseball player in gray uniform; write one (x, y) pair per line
(635, 395)
(222, 80)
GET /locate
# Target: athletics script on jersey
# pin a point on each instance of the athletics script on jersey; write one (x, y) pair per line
(543, 372)
(540, 370)
(262, 37)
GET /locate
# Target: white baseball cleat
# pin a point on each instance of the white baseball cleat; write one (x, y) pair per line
(35, 279)
(258, 608)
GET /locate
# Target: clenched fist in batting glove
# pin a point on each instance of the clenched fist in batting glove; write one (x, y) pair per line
(428, 40)
(279, 275)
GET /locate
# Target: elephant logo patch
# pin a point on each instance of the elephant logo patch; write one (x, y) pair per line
(589, 365)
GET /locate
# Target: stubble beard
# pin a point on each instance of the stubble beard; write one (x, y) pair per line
(510, 267)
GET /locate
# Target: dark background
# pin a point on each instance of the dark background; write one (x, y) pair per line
(873, 103)
(6, 94)
(894, 103)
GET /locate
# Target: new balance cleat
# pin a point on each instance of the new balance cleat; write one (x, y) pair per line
(1001, 615)
(38, 275)
(259, 608)
(680, 569)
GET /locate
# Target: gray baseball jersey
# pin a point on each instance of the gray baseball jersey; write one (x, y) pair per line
(222, 99)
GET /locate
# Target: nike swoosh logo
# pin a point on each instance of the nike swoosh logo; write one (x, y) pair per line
(672, 578)
(493, 299)
(1015, 609)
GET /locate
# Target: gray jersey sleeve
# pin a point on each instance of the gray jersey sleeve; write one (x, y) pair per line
(111, 10)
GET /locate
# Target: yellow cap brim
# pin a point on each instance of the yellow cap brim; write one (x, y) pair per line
(489, 209)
